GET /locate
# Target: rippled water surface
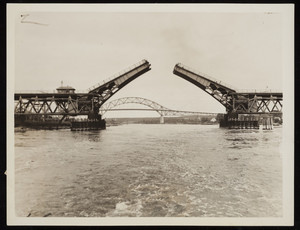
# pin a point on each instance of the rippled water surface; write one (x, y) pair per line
(150, 171)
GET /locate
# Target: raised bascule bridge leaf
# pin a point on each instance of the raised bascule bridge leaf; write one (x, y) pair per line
(72, 103)
(232, 99)
(246, 109)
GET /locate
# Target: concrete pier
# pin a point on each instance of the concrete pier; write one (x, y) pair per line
(162, 119)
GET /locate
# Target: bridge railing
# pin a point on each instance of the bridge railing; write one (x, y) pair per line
(117, 75)
(206, 76)
(35, 91)
(259, 91)
(46, 91)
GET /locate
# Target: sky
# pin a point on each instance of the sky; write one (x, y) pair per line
(84, 48)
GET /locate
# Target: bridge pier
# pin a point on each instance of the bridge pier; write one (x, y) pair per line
(247, 121)
(162, 119)
(267, 123)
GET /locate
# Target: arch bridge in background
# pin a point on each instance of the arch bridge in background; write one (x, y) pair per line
(154, 106)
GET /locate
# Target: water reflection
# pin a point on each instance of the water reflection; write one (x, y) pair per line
(92, 136)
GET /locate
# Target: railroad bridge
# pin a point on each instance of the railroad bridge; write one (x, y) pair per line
(240, 106)
(68, 103)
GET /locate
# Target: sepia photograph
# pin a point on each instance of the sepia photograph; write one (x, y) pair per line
(150, 114)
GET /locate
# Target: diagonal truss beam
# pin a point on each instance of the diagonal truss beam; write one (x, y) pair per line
(257, 103)
(46, 106)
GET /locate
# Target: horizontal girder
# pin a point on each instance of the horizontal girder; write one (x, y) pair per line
(50, 96)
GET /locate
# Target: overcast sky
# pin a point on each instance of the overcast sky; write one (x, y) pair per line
(82, 49)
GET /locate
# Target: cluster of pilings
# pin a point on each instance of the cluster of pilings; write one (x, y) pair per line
(267, 123)
(247, 124)
(246, 121)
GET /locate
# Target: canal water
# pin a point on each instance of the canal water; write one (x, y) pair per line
(140, 170)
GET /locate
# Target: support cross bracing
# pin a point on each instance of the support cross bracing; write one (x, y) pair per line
(26, 104)
(257, 102)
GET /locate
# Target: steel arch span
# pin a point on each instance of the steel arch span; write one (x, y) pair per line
(161, 110)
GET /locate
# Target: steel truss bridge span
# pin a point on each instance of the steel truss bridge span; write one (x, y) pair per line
(154, 106)
(77, 103)
(233, 100)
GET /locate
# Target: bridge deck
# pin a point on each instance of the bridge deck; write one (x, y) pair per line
(51, 95)
(259, 94)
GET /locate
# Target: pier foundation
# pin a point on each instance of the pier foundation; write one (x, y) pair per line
(240, 121)
(162, 119)
(267, 123)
